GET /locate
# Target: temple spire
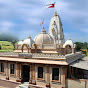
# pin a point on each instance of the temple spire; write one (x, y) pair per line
(56, 29)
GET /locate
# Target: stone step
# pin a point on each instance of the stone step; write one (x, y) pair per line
(24, 85)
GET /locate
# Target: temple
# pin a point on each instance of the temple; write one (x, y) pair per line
(43, 62)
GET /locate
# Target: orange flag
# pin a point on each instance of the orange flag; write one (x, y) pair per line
(42, 22)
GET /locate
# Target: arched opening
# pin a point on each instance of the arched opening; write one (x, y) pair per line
(35, 46)
(68, 46)
(68, 49)
(25, 47)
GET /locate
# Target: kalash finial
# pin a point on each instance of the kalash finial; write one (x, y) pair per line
(29, 37)
(69, 38)
(22, 40)
(55, 12)
(43, 30)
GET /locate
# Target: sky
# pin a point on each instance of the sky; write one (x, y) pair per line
(23, 17)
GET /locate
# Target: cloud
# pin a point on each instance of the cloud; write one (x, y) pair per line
(23, 17)
(6, 26)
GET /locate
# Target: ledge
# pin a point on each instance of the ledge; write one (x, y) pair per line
(12, 75)
(2, 73)
(55, 81)
(41, 79)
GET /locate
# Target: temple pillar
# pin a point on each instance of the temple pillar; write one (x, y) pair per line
(33, 74)
(48, 77)
(64, 51)
(76, 71)
(69, 71)
(18, 73)
(73, 50)
(30, 79)
(7, 71)
(72, 71)
(63, 76)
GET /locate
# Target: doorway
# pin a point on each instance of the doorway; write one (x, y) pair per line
(26, 73)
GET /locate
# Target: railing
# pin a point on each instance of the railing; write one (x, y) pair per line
(48, 55)
(68, 57)
(8, 54)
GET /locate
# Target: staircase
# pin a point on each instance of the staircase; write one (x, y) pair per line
(24, 85)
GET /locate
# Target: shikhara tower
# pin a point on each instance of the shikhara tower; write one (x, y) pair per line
(56, 29)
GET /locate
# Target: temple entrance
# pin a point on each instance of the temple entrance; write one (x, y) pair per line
(26, 73)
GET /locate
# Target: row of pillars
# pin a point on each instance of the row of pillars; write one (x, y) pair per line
(18, 76)
(63, 76)
(32, 74)
(72, 71)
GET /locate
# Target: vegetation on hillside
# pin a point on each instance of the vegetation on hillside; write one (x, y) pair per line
(82, 47)
(6, 46)
(7, 42)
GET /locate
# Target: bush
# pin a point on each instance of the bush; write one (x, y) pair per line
(84, 52)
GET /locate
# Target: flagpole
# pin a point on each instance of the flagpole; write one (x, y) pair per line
(54, 6)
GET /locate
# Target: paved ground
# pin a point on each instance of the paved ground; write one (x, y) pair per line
(3, 87)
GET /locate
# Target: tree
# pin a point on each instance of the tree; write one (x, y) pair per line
(79, 45)
(85, 45)
(13, 42)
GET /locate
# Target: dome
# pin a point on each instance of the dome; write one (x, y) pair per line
(28, 41)
(43, 38)
(69, 42)
(20, 42)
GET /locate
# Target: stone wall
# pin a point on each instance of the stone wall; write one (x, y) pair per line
(76, 83)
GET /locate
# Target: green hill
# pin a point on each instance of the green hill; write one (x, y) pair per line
(6, 46)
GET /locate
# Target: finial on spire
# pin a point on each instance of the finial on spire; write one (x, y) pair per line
(22, 40)
(43, 30)
(55, 12)
(69, 38)
(29, 37)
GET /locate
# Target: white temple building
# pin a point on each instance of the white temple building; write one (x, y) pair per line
(45, 62)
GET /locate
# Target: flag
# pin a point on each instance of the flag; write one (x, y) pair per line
(51, 5)
(42, 22)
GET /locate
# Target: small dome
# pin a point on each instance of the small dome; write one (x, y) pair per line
(69, 42)
(20, 42)
(43, 38)
(28, 41)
